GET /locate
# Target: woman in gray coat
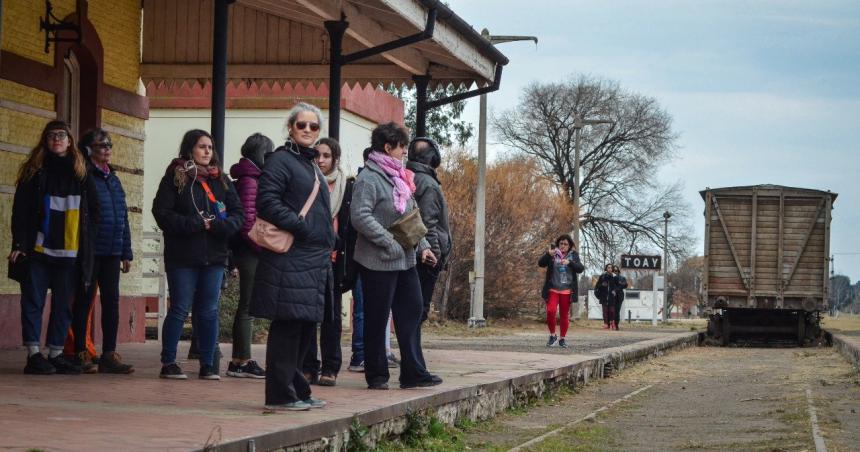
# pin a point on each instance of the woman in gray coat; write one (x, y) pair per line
(382, 194)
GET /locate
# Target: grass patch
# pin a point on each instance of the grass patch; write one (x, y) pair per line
(425, 433)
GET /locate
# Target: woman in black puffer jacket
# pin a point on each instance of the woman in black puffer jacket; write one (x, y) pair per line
(291, 288)
(198, 210)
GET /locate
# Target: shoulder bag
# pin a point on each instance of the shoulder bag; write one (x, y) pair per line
(268, 236)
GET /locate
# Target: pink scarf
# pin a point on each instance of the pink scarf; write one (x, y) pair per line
(404, 185)
(559, 256)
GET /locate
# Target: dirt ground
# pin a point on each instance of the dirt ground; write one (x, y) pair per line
(703, 398)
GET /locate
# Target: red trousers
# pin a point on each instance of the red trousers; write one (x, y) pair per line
(558, 303)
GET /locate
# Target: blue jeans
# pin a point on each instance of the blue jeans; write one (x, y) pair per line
(61, 280)
(357, 324)
(197, 289)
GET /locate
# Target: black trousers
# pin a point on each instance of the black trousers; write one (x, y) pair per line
(400, 293)
(618, 311)
(106, 280)
(330, 331)
(289, 341)
(427, 276)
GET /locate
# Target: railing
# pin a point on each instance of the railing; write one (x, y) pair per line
(158, 255)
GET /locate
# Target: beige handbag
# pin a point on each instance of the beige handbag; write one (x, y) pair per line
(268, 236)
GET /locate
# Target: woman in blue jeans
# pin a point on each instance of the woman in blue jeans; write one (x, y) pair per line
(51, 242)
(198, 210)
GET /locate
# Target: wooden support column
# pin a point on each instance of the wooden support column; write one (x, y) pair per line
(219, 75)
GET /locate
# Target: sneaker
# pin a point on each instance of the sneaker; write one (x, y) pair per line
(208, 373)
(172, 372)
(378, 386)
(562, 343)
(64, 365)
(111, 363)
(432, 380)
(393, 362)
(292, 406)
(327, 380)
(315, 403)
(356, 367)
(37, 364)
(551, 341)
(85, 361)
(248, 370)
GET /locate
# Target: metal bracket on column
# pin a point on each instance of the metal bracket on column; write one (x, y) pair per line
(497, 80)
(427, 33)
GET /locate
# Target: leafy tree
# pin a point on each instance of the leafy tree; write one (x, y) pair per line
(622, 200)
(443, 123)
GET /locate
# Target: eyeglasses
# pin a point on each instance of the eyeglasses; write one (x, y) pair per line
(61, 135)
(103, 146)
(302, 125)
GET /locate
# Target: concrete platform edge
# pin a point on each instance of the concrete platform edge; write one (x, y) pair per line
(474, 402)
(847, 348)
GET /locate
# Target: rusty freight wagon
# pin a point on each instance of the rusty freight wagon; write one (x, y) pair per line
(766, 261)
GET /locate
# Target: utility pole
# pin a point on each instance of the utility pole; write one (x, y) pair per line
(666, 216)
(476, 310)
(578, 124)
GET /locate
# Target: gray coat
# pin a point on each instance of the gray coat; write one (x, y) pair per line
(372, 213)
(434, 209)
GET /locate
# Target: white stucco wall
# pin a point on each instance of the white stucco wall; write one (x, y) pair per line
(165, 128)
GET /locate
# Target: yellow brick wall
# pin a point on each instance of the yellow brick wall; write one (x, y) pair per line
(117, 23)
(25, 95)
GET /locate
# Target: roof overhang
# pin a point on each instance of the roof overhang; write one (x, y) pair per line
(285, 41)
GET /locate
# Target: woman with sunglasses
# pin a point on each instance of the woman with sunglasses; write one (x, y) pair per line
(292, 288)
(112, 250)
(51, 242)
(198, 210)
(383, 193)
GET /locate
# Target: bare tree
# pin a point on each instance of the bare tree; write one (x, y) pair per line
(622, 201)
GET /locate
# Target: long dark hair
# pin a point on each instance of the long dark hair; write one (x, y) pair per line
(190, 139)
(36, 160)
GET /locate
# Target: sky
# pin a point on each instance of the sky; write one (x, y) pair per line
(761, 92)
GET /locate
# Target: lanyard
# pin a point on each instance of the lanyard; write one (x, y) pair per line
(208, 190)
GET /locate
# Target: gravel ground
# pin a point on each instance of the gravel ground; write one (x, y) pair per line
(703, 398)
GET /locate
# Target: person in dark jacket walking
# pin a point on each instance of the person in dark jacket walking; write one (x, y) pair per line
(198, 210)
(604, 290)
(620, 285)
(246, 174)
(324, 369)
(383, 193)
(112, 255)
(424, 158)
(291, 288)
(560, 286)
(53, 216)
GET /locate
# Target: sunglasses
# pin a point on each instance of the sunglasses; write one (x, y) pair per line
(104, 146)
(56, 135)
(302, 125)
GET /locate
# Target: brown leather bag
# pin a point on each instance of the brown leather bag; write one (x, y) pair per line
(268, 236)
(409, 229)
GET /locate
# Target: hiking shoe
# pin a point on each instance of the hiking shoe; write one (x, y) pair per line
(172, 372)
(298, 405)
(85, 361)
(356, 367)
(562, 343)
(111, 363)
(248, 370)
(37, 364)
(208, 373)
(315, 403)
(551, 341)
(327, 380)
(64, 365)
(378, 386)
(431, 380)
(393, 362)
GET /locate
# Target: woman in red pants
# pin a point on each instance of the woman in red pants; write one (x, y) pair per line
(562, 265)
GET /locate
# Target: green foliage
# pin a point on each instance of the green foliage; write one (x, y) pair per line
(357, 433)
(443, 123)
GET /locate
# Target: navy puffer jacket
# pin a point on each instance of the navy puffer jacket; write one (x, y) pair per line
(113, 237)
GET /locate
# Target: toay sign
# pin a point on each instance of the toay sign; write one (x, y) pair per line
(636, 262)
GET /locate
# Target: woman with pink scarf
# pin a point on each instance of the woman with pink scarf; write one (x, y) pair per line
(382, 194)
(562, 265)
